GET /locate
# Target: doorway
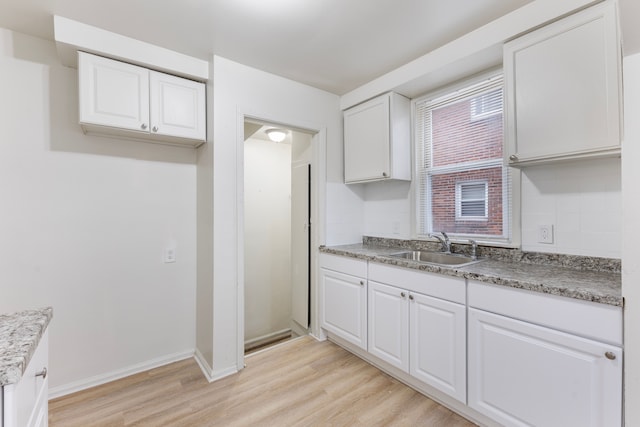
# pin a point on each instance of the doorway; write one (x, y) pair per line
(277, 206)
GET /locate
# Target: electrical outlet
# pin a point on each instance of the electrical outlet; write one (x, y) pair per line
(545, 233)
(169, 255)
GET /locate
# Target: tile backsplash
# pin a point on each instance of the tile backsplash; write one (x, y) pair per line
(583, 202)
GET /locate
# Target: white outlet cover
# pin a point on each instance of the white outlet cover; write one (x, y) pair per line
(545, 233)
(169, 255)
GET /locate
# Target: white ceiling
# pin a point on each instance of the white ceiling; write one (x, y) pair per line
(336, 45)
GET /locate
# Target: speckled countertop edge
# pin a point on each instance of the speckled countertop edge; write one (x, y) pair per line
(20, 334)
(596, 286)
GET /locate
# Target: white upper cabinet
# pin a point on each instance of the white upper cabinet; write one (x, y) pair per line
(126, 100)
(563, 89)
(377, 142)
(113, 93)
(177, 106)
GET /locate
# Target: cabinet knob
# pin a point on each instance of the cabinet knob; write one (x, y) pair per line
(384, 174)
(155, 128)
(610, 355)
(42, 373)
(411, 297)
(143, 126)
(361, 282)
(402, 294)
(513, 158)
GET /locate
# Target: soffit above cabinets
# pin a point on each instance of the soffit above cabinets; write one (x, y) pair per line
(72, 36)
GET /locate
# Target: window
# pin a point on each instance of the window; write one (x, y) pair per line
(462, 186)
(487, 104)
(471, 201)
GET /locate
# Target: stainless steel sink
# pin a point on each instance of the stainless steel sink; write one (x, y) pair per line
(439, 258)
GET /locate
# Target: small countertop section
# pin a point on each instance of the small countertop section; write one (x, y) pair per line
(20, 334)
(597, 286)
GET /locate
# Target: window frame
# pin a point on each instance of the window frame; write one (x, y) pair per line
(513, 239)
(485, 199)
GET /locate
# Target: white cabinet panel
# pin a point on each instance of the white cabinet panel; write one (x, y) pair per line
(343, 306)
(377, 142)
(113, 93)
(176, 107)
(25, 404)
(563, 89)
(438, 344)
(389, 324)
(523, 375)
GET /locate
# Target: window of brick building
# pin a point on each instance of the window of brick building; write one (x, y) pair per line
(462, 186)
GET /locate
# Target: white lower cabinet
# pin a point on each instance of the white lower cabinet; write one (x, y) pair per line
(420, 334)
(389, 324)
(25, 403)
(343, 298)
(437, 350)
(523, 374)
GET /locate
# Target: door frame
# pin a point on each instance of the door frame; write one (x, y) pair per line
(318, 202)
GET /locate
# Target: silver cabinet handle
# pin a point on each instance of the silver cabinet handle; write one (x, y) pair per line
(155, 129)
(143, 126)
(42, 373)
(610, 355)
(513, 158)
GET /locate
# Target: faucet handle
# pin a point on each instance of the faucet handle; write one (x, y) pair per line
(474, 248)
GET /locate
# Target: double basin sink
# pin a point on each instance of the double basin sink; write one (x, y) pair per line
(437, 258)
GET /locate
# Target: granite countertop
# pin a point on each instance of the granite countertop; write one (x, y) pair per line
(20, 334)
(534, 272)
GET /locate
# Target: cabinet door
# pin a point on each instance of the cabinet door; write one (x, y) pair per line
(521, 374)
(366, 141)
(438, 344)
(177, 107)
(113, 93)
(343, 309)
(389, 324)
(563, 88)
(25, 403)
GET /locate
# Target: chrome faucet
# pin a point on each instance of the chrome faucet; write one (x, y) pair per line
(444, 240)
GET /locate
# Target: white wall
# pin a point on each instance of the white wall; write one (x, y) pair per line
(631, 237)
(267, 239)
(239, 90)
(83, 225)
(582, 200)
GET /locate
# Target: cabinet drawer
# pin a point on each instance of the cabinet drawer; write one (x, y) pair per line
(435, 285)
(347, 265)
(591, 320)
(25, 402)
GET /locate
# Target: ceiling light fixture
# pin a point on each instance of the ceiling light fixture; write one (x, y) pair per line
(276, 135)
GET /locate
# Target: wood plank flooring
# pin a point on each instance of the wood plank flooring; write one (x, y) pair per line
(298, 383)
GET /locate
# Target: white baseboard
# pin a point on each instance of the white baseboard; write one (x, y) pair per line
(117, 374)
(206, 369)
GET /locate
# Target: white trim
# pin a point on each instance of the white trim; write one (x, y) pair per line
(218, 375)
(72, 36)
(118, 374)
(261, 340)
(206, 369)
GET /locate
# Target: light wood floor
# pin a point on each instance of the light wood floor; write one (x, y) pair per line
(299, 383)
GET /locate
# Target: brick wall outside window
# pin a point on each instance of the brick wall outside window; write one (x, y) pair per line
(458, 138)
